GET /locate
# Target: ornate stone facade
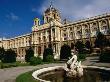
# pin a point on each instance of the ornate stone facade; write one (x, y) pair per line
(60, 33)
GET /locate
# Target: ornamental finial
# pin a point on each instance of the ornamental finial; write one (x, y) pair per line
(51, 4)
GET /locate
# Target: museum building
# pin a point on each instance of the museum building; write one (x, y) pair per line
(58, 33)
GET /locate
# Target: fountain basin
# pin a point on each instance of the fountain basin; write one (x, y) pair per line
(57, 74)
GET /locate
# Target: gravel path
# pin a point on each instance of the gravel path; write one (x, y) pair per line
(10, 74)
(94, 61)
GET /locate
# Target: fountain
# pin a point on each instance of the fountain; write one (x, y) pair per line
(73, 68)
(72, 71)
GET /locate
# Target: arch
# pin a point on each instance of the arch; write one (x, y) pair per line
(72, 45)
(54, 16)
(94, 28)
(104, 27)
(44, 38)
(103, 22)
(44, 46)
(39, 39)
(79, 27)
(39, 50)
(71, 35)
(78, 33)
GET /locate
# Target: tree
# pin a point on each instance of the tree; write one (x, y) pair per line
(9, 56)
(2, 52)
(47, 51)
(100, 41)
(107, 42)
(105, 55)
(88, 45)
(29, 54)
(65, 52)
(79, 46)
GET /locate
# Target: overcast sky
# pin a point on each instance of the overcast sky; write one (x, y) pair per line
(78, 9)
(16, 16)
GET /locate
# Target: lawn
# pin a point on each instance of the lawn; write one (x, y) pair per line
(16, 64)
(26, 77)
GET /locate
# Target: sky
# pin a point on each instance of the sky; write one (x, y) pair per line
(16, 16)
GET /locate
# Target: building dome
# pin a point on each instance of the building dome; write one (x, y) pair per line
(51, 9)
(51, 13)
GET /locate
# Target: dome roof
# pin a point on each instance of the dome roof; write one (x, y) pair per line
(51, 8)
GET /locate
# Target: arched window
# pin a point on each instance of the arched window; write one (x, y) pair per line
(104, 27)
(54, 16)
(47, 19)
(44, 38)
(65, 37)
(34, 22)
(94, 29)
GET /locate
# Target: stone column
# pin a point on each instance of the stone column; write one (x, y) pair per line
(98, 25)
(99, 22)
(17, 52)
(41, 55)
(109, 22)
(35, 51)
(83, 34)
(58, 47)
(33, 34)
(58, 50)
(90, 27)
(89, 33)
(73, 34)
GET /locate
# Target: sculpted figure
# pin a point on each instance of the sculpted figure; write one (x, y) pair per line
(73, 68)
(79, 69)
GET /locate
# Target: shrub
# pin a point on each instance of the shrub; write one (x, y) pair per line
(47, 51)
(87, 44)
(105, 55)
(8, 65)
(81, 56)
(9, 57)
(19, 63)
(85, 51)
(29, 54)
(2, 52)
(79, 46)
(35, 60)
(101, 40)
(49, 58)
